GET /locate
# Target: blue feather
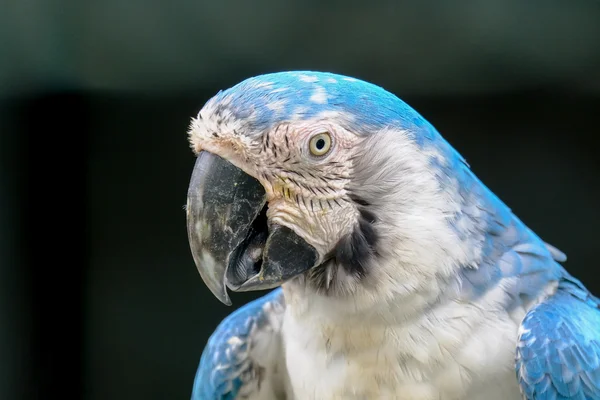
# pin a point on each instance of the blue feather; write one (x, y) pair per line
(558, 354)
(224, 367)
(371, 106)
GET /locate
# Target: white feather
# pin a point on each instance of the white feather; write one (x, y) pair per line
(403, 333)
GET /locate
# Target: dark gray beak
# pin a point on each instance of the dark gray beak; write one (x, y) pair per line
(232, 243)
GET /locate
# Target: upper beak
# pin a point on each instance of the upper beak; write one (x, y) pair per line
(231, 241)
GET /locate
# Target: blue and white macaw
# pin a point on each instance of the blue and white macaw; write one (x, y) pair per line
(398, 274)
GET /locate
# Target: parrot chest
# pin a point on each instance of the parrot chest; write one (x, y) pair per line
(458, 352)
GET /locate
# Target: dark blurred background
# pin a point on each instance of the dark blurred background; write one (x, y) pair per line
(99, 296)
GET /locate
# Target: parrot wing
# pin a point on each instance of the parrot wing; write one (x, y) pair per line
(558, 352)
(242, 357)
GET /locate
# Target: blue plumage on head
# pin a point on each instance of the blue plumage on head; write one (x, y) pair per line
(266, 100)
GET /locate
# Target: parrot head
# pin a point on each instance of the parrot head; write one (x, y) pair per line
(323, 179)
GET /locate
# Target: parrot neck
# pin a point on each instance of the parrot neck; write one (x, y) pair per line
(369, 302)
(442, 235)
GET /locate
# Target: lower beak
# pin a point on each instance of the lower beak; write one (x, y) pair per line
(232, 243)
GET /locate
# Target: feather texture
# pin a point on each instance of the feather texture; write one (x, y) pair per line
(242, 356)
(558, 353)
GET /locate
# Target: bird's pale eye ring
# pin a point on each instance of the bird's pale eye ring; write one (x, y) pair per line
(320, 144)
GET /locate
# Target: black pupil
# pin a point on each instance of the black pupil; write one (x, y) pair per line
(320, 144)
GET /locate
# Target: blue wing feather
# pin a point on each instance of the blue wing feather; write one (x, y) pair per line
(558, 353)
(224, 366)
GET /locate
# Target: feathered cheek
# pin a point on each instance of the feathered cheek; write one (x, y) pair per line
(319, 222)
(282, 211)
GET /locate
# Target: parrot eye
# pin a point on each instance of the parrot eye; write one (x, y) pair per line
(320, 144)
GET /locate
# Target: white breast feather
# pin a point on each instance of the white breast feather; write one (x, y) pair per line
(444, 354)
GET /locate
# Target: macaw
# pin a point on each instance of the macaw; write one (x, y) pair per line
(395, 273)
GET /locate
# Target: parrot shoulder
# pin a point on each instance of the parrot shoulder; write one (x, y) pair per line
(558, 351)
(243, 357)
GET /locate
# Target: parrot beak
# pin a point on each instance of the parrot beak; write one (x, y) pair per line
(230, 238)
